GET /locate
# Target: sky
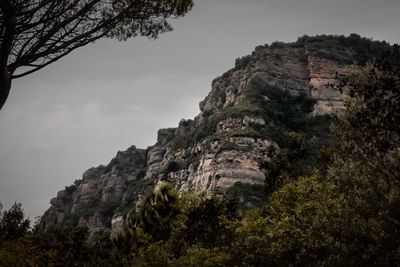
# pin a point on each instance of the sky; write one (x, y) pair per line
(78, 112)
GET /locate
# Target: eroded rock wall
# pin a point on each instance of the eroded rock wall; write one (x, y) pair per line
(228, 142)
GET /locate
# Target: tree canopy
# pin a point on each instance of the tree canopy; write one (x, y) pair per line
(36, 33)
(13, 223)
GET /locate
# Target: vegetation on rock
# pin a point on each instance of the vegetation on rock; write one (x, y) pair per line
(332, 206)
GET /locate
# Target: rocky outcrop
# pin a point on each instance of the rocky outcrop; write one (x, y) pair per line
(277, 90)
(99, 197)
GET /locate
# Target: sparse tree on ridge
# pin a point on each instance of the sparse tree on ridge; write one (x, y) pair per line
(36, 33)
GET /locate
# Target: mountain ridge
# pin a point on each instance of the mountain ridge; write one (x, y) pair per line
(272, 98)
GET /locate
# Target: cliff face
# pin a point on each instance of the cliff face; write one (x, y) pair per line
(278, 91)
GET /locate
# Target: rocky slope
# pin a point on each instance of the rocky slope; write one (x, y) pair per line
(250, 116)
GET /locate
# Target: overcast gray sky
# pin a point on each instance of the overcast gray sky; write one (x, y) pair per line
(80, 111)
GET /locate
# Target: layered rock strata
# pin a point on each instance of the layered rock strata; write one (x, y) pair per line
(229, 142)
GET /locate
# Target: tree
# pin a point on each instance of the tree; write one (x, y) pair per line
(370, 130)
(152, 223)
(157, 212)
(13, 223)
(349, 214)
(36, 33)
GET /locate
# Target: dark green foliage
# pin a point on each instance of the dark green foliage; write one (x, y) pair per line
(247, 132)
(70, 189)
(277, 44)
(88, 209)
(243, 62)
(107, 210)
(154, 255)
(249, 196)
(204, 224)
(173, 166)
(228, 146)
(372, 116)
(110, 165)
(13, 224)
(102, 250)
(292, 229)
(170, 231)
(241, 109)
(282, 111)
(293, 161)
(157, 212)
(198, 256)
(153, 221)
(365, 49)
(185, 123)
(279, 107)
(78, 182)
(60, 246)
(134, 186)
(205, 129)
(70, 244)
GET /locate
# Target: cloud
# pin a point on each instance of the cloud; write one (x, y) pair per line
(51, 133)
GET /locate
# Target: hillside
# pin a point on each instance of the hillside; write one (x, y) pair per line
(280, 96)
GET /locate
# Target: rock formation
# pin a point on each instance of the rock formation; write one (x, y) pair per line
(278, 90)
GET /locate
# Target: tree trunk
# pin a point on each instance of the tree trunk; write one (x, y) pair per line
(5, 85)
(8, 34)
